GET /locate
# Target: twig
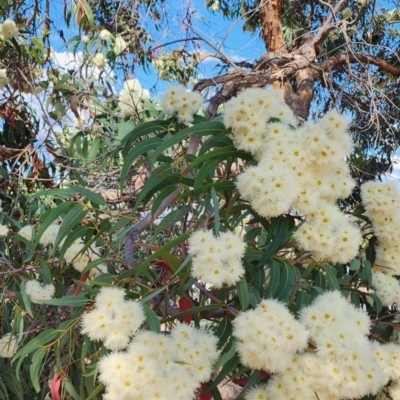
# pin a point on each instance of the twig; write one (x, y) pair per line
(6, 261)
(231, 309)
(133, 234)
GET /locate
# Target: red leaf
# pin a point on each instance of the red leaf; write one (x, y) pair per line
(184, 304)
(241, 381)
(163, 264)
(55, 386)
(204, 395)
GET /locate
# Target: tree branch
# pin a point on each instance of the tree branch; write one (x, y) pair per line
(359, 58)
(133, 233)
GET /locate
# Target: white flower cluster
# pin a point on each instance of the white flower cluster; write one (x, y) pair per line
(159, 366)
(8, 29)
(113, 320)
(8, 345)
(3, 78)
(49, 235)
(297, 167)
(132, 97)
(81, 260)
(180, 102)
(388, 357)
(217, 260)
(38, 292)
(105, 35)
(99, 61)
(73, 254)
(382, 205)
(26, 232)
(268, 336)
(340, 363)
(4, 230)
(120, 45)
(343, 365)
(387, 288)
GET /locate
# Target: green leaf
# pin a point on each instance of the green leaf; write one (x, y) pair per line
(152, 319)
(67, 301)
(302, 300)
(307, 271)
(26, 300)
(287, 278)
(170, 220)
(93, 197)
(139, 149)
(225, 371)
(243, 293)
(141, 130)
(77, 233)
(216, 394)
(223, 331)
(75, 215)
(218, 186)
(69, 387)
(377, 302)
(259, 279)
(154, 293)
(280, 237)
(98, 389)
(207, 170)
(160, 252)
(94, 148)
(320, 280)
(46, 273)
(219, 155)
(156, 181)
(367, 272)
(61, 209)
(254, 296)
(207, 128)
(164, 193)
(207, 309)
(216, 210)
(355, 265)
(252, 380)
(226, 356)
(331, 278)
(36, 367)
(13, 385)
(40, 340)
(180, 271)
(125, 128)
(274, 278)
(38, 43)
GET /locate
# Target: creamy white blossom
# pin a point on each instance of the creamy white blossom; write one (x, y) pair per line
(105, 35)
(8, 345)
(3, 78)
(8, 29)
(4, 230)
(99, 61)
(120, 45)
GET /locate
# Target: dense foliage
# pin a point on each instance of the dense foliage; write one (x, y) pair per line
(170, 246)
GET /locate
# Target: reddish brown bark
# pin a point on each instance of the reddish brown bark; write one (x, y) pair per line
(270, 15)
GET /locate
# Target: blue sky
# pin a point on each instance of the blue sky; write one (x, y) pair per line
(222, 33)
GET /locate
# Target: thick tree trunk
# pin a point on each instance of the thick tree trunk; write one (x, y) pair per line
(270, 15)
(298, 100)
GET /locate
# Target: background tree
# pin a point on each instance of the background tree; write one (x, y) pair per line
(111, 190)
